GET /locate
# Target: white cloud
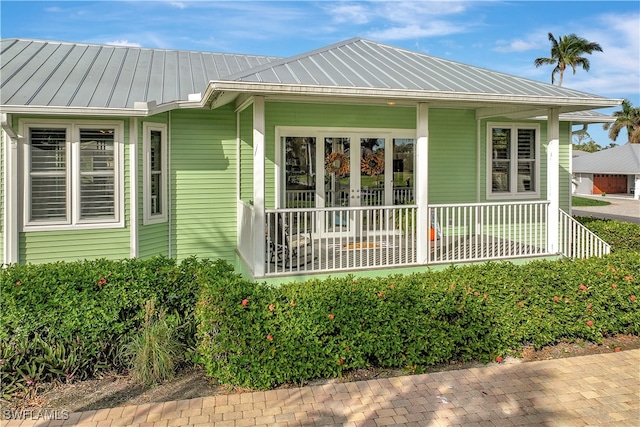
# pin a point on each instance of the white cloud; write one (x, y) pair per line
(349, 13)
(126, 43)
(518, 45)
(177, 4)
(433, 28)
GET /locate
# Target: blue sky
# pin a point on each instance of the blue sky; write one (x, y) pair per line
(501, 35)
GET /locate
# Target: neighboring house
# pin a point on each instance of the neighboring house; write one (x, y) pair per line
(354, 156)
(615, 170)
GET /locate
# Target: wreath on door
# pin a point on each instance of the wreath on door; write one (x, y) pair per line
(337, 163)
(372, 164)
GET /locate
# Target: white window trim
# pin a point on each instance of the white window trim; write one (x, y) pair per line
(147, 217)
(513, 193)
(319, 133)
(73, 221)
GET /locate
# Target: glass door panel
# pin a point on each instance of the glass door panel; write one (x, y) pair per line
(300, 172)
(371, 166)
(337, 180)
(403, 171)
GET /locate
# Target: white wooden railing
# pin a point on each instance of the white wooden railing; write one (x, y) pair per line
(577, 241)
(485, 231)
(315, 240)
(344, 238)
(370, 197)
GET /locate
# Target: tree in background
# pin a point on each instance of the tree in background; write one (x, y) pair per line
(628, 118)
(568, 51)
(582, 141)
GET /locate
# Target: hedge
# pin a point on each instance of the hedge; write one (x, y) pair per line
(64, 321)
(256, 336)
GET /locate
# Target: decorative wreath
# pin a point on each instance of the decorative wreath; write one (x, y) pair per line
(372, 164)
(337, 163)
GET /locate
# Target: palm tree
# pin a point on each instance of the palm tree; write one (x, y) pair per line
(568, 51)
(628, 118)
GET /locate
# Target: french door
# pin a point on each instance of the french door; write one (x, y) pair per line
(349, 169)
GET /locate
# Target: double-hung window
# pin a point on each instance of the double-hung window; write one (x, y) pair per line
(154, 170)
(513, 160)
(72, 175)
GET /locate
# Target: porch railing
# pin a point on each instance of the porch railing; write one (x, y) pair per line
(577, 241)
(342, 238)
(315, 240)
(370, 197)
(484, 231)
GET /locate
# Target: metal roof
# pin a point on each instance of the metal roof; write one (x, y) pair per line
(623, 159)
(58, 77)
(57, 74)
(360, 63)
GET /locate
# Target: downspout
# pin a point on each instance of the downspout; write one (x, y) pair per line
(133, 197)
(478, 163)
(10, 225)
(169, 200)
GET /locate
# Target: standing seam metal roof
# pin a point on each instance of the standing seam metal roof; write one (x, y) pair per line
(624, 159)
(57, 74)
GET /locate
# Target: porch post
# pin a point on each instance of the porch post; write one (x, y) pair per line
(421, 170)
(259, 245)
(636, 188)
(553, 179)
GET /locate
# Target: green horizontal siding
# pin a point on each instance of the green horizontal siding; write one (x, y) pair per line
(246, 154)
(452, 156)
(73, 245)
(203, 183)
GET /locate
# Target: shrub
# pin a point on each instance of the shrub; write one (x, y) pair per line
(257, 336)
(64, 321)
(153, 353)
(622, 236)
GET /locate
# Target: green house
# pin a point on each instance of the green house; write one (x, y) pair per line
(355, 156)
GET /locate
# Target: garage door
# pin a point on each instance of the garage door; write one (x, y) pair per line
(610, 184)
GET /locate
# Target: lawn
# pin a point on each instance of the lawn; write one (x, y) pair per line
(584, 201)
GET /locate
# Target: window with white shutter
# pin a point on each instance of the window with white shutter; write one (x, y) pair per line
(72, 175)
(512, 160)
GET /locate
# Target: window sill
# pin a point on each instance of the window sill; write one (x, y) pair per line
(71, 227)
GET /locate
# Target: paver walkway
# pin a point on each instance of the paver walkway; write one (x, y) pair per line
(588, 390)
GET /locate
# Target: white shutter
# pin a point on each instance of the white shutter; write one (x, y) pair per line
(97, 174)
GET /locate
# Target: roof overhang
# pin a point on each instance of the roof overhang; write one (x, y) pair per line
(140, 109)
(220, 93)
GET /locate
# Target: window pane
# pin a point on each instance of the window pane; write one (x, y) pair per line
(526, 176)
(403, 177)
(526, 143)
(97, 186)
(156, 188)
(300, 172)
(501, 143)
(156, 150)
(48, 163)
(97, 197)
(500, 177)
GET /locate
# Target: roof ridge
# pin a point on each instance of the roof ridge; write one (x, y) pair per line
(296, 57)
(102, 45)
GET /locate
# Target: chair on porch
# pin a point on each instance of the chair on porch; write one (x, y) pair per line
(286, 249)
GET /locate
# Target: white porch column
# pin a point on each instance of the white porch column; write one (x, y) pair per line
(636, 190)
(553, 179)
(421, 171)
(259, 245)
(10, 230)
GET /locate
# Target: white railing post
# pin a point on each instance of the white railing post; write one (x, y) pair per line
(553, 179)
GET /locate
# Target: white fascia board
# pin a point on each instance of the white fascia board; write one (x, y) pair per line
(107, 112)
(218, 87)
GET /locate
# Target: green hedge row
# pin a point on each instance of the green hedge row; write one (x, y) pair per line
(63, 321)
(257, 336)
(622, 236)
